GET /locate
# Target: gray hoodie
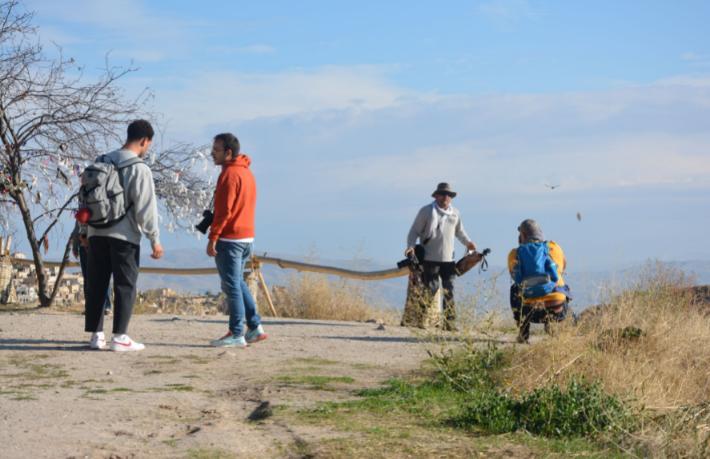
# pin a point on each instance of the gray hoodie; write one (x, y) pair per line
(439, 227)
(142, 217)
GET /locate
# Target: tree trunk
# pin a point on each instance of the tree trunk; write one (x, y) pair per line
(60, 274)
(44, 300)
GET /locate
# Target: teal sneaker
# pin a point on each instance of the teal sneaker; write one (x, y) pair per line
(255, 335)
(229, 340)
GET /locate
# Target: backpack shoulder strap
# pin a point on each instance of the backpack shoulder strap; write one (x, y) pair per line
(518, 270)
(554, 274)
(124, 165)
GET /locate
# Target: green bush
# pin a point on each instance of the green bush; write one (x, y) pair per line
(469, 369)
(579, 409)
(488, 409)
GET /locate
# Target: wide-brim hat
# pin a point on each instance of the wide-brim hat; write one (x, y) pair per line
(444, 188)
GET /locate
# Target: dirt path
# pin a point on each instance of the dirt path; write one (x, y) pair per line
(179, 397)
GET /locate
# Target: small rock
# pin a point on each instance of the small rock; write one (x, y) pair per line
(261, 412)
(175, 318)
(381, 327)
(109, 373)
(193, 430)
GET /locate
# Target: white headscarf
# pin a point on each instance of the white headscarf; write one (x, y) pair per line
(437, 216)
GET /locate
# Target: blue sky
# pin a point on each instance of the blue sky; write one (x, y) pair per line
(353, 112)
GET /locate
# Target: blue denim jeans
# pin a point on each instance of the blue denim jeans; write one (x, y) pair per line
(231, 258)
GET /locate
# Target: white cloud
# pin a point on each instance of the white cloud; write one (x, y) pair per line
(128, 27)
(507, 12)
(228, 98)
(636, 137)
(644, 161)
(697, 59)
(354, 130)
(257, 48)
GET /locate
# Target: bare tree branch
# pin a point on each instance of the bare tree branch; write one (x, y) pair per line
(54, 121)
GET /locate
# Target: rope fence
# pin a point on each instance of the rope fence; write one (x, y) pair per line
(254, 264)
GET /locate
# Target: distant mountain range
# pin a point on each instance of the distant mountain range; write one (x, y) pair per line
(488, 290)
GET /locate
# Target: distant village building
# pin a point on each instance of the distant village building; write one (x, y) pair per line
(5, 279)
(5, 271)
(18, 283)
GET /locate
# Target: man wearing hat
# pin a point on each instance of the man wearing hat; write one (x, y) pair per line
(539, 293)
(435, 226)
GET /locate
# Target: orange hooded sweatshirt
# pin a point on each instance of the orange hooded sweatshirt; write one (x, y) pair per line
(234, 201)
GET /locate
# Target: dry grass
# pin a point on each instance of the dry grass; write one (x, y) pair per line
(650, 345)
(316, 296)
(307, 296)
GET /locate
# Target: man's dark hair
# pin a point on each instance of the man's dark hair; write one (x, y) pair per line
(229, 141)
(139, 129)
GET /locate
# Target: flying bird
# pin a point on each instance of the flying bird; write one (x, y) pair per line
(552, 187)
(579, 217)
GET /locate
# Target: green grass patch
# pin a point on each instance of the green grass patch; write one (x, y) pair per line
(209, 453)
(314, 361)
(96, 391)
(460, 396)
(316, 382)
(171, 442)
(30, 369)
(363, 366)
(173, 388)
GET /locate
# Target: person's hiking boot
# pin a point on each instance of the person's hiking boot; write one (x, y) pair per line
(98, 341)
(124, 343)
(229, 340)
(256, 335)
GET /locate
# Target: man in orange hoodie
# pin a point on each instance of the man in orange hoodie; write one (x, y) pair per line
(231, 238)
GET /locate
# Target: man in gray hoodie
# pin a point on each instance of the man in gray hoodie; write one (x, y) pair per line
(115, 250)
(436, 225)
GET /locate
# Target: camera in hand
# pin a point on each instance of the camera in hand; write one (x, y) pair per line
(204, 225)
(414, 260)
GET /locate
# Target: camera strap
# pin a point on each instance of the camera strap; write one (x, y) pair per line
(211, 206)
(424, 242)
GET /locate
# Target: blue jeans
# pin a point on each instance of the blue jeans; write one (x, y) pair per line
(231, 258)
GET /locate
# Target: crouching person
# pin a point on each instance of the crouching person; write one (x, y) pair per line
(539, 293)
(231, 239)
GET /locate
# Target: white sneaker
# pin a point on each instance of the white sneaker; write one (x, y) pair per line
(124, 343)
(98, 341)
